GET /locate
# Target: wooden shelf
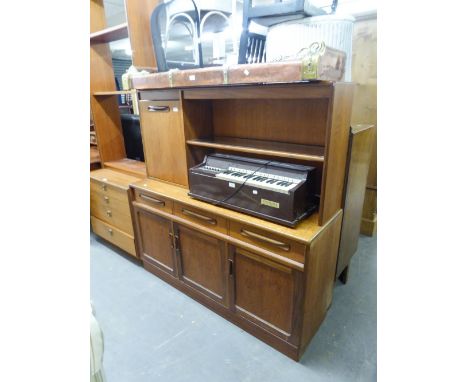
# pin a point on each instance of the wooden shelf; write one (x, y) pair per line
(110, 93)
(252, 146)
(110, 34)
(129, 166)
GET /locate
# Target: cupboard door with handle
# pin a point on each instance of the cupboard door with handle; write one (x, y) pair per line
(264, 292)
(164, 140)
(156, 243)
(203, 263)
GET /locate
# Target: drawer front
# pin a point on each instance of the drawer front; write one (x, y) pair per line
(118, 216)
(104, 189)
(111, 198)
(274, 243)
(209, 220)
(154, 201)
(113, 235)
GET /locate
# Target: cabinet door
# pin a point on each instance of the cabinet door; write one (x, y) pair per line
(264, 292)
(164, 140)
(203, 263)
(155, 240)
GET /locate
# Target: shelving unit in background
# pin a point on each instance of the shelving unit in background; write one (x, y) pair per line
(110, 34)
(104, 95)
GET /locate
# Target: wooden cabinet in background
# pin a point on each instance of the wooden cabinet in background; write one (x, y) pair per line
(111, 215)
(164, 140)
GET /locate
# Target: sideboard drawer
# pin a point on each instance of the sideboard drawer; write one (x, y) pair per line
(105, 190)
(267, 240)
(201, 217)
(117, 215)
(154, 201)
(113, 235)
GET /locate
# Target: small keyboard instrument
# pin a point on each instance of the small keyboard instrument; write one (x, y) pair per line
(276, 191)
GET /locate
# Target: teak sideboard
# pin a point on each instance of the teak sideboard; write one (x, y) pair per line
(273, 281)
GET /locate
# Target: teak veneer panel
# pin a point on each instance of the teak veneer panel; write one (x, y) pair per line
(358, 168)
(304, 232)
(280, 120)
(114, 235)
(336, 150)
(98, 15)
(318, 89)
(114, 178)
(128, 166)
(264, 292)
(319, 272)
(202, 262)
(164, 141)
(139, 31)
(260, 147)
(155, 241)
(117, 32)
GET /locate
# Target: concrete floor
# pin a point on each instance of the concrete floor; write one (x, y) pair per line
(153, 332)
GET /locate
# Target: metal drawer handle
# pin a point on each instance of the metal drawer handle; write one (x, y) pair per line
(104, 187)
(158, 108)
(106, 198)
(154, 200)
(254, 235)
(204, 218)
(109, 213)
(111, 232)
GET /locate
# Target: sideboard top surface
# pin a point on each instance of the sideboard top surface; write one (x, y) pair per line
(304, 232)
(113, 177)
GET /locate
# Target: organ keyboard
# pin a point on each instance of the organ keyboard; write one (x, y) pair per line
(276, 191)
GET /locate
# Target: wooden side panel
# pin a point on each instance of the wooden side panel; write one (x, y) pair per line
(358, 168)
(365, 106)
(108, 128)
(139, 30)
(98, 16)
(336, 151)
(319, 278)
(369, 212)
(197, 124)
(282, 120)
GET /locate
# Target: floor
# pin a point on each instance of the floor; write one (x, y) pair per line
(153, 332)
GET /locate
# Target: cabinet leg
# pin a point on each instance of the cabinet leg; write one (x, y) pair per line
(344, 275)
